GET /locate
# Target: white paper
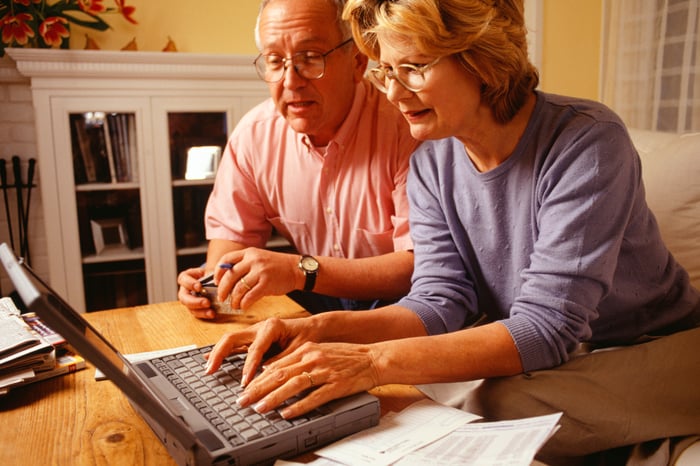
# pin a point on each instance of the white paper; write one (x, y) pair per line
(137, 357)
(398, 434)
(504, 443)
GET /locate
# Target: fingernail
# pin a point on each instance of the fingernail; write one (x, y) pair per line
(226, 266)
(207, 368)
(285, 413)
(243, 400)
(260, 407)
(244, 380)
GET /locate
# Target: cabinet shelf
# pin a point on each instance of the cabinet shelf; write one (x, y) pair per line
(84, 187)
(114, 254)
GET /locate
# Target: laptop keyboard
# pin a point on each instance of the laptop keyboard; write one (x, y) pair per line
(215, 396)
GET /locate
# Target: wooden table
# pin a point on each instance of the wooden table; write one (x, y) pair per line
(75, 420)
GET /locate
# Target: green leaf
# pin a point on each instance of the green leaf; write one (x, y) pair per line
(77, 16)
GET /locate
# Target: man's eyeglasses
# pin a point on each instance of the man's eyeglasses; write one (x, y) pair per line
(412, 77)
(309, 65)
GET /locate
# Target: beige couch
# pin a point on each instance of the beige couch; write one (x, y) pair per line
(671, 172)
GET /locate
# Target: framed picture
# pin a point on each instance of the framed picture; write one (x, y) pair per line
(202, 162)
(109, 233)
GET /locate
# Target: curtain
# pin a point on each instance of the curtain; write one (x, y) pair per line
(651, 63)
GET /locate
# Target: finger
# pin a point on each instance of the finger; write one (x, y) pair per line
(189, 279)
(313, 400)
(279, 386)
(226, 263)
(206, 314)
(232, 342)
(198, 306)
(243, 286)
(254, 294)
(267, 335)
(226, 283)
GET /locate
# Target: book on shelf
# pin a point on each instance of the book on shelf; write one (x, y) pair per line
(31, 351)
(104, 147)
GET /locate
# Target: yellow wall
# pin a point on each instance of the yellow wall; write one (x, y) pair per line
(570, 36)
(200, 26)
(571, 47)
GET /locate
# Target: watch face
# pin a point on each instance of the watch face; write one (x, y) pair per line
(309, 264)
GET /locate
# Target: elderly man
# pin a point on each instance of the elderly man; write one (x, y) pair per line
(323, 162)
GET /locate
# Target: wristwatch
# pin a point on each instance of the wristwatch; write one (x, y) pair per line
(309, 266)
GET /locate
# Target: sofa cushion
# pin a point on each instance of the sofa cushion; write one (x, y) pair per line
(671, 173)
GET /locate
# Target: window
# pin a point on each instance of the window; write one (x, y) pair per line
(651, 63)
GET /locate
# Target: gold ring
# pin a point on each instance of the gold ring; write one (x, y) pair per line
(245, 283)
(311, 380)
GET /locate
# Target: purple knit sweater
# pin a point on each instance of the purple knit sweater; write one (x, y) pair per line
(557, 242)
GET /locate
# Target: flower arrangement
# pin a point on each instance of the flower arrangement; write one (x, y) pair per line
(46, 24)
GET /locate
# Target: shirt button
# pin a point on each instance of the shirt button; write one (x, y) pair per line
(329, 211)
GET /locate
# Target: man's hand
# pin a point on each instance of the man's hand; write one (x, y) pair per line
(188, 294)
(251, 273)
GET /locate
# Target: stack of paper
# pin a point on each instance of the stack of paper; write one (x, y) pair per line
(430, 433)
(29, 350)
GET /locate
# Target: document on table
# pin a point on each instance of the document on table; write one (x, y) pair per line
(429, 433)
(505, 443)
(398, 434)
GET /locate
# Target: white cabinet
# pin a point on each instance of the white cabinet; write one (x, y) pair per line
(114, 131)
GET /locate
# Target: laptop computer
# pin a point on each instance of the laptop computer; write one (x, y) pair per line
(196, 429)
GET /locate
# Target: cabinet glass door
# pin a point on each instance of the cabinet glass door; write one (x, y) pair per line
(108, 202)
(197, 140)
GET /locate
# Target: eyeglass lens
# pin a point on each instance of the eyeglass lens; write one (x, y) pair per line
(411, 79)
(309, 65)
(409, 76)
(271, 68)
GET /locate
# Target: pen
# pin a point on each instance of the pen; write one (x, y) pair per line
(206, 279)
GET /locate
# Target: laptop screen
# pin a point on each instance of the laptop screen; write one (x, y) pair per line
(61, 317)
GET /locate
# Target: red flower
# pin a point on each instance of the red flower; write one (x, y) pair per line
(26, 2)
(92, 6)
(15, 28)
(53, 30)
(126, 11)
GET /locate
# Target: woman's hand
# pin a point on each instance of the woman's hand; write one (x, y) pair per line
(259, 340)
(316, 372)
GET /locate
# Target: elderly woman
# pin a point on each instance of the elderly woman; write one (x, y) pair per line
(534, 250)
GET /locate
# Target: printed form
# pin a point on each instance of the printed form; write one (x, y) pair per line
(430, 433)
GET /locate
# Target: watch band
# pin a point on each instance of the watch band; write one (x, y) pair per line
(310, 281)
(309, 265)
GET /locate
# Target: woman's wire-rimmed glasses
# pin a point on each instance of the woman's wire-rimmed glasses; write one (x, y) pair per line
(412, 77)
(309, 65)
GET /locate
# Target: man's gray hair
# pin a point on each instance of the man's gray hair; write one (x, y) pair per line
(344, 26)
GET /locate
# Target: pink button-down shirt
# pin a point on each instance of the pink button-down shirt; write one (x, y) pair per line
(345, 200)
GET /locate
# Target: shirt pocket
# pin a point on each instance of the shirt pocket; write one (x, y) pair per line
(374, 244)
(297, 233)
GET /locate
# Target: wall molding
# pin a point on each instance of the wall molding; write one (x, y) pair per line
(53, 63)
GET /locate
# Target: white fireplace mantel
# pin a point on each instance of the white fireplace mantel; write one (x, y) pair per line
(98, 68)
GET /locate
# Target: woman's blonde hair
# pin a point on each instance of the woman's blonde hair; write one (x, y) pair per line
(488, 37)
